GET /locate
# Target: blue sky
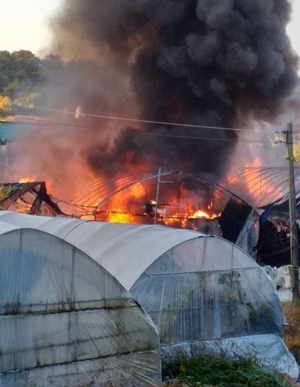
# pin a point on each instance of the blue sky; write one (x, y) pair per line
(24, 25)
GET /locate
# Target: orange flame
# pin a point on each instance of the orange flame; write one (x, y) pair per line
(203, 214)
(200, 214)
(123, 200)
(26, 180)
(119, 218)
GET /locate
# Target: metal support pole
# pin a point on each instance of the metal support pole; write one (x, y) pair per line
(157, 195)
(293, 211)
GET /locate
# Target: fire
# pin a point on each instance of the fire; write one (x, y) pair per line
(119, 218)
(176, 220)
(203, 214)
(200, 214)
(185, 220)
(26, 180)
(176, 209)
(127, 199)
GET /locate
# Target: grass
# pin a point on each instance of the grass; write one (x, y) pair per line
(292, 332)
(209, 370)
(212, 371)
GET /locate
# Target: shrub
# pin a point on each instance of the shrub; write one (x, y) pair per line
(209, 370)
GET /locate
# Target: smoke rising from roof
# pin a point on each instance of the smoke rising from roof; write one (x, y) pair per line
(206, 62)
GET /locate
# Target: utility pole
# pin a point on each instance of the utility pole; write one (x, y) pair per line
(293, 212)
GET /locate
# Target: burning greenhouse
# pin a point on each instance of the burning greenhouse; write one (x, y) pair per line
(182, 200)
(133, 87)
(144, 85)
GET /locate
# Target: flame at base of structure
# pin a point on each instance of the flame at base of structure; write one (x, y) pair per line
(119, 218)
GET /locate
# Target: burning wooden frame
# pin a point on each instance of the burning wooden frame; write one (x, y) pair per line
(28, 197)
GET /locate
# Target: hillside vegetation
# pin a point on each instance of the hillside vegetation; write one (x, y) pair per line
(27, 81)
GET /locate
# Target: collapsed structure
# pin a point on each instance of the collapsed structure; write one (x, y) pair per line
(30, 197)
(65, 321)
(200, 291)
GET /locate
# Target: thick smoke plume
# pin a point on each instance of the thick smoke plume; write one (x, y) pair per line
(206, 62)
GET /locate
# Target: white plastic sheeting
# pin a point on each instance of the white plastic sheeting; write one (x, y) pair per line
(123, 250)
(278, 277)
(181, 296)
(195, 287)
(249, 235)
(65, 321)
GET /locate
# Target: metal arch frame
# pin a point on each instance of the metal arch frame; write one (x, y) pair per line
(199, 178)
(269, 174)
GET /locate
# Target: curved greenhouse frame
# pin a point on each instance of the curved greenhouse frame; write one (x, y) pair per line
(200, 291)
(66, 321)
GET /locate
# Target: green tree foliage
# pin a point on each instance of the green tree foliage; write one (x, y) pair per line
(30, 82)
(6, 76)
(18, 70)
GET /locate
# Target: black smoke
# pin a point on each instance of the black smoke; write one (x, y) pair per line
(205, 62)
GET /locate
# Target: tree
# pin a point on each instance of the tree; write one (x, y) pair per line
(297, 151)
(18, 70)
(5, 105)
(26, 66)
(6, 71)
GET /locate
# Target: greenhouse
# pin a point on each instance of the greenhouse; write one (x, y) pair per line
(202, 292)
(65, 321)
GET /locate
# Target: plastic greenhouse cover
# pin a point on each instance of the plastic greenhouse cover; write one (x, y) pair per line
(110, 244)
(119, 247)
(65, 321)
(249, 235)
(195, 287)
(237, 303)
(193, 302)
